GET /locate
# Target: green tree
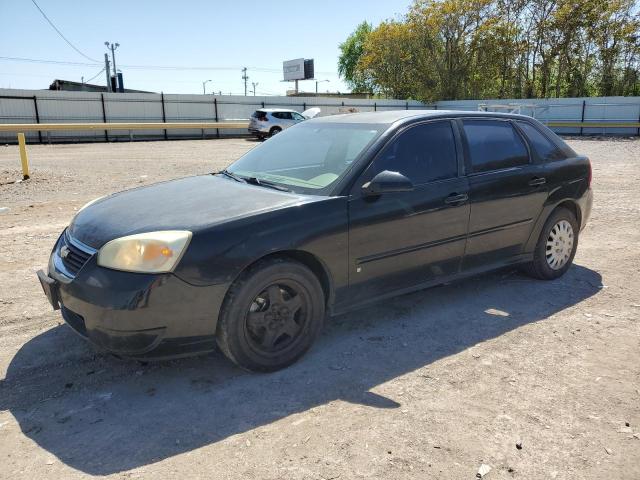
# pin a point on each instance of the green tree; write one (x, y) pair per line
(350, 53)
(457, 49)
(388, 59)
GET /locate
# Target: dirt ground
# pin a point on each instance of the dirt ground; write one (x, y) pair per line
(428, 385)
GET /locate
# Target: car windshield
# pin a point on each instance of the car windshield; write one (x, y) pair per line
(309, 157)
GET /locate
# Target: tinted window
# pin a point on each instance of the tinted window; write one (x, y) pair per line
(282, 115)
(259, 114)
(544, 147)
(297, 116)
(423, 153)
(494, 145)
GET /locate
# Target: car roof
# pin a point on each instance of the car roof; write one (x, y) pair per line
(271, 110)
(392, 116)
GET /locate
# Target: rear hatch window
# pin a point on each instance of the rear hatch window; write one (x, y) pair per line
(259, 114)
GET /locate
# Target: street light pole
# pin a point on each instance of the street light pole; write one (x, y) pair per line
(113, 47)
(204, 92)
(255, 84)
(317, 82)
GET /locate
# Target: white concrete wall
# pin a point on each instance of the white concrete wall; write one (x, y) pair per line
(58, 106)
(596, 109)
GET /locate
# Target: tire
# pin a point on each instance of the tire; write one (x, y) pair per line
(271, 315)
(553, 255)
(274, 131)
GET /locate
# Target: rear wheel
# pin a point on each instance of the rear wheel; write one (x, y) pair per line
(271, 316)
(556, 246)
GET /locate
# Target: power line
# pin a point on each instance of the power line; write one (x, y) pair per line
(150, 67)
(87, 81)
(52, 62)
(60, 33)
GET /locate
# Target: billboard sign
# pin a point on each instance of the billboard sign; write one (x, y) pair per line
(293, 69)
(309, 69)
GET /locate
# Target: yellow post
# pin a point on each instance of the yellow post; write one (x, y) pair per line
(23, 156)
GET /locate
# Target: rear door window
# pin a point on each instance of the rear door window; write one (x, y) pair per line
(424, 153)
(282, 115)
(544, 147)
(494, 145)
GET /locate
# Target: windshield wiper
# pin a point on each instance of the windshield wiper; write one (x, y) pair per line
(253, 181)
(265, 183)
(233, 176)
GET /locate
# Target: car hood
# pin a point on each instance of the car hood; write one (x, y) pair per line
(191, 203)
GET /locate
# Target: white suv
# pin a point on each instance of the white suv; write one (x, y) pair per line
(267, 122)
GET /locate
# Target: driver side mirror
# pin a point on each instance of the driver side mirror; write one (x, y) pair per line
(387, 182)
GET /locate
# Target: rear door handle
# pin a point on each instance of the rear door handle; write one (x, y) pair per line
(456, 198)
(537, 181)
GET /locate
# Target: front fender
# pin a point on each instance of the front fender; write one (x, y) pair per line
(219, 254)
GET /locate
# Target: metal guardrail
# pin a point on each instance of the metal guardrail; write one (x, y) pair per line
(593, 124)
(49, 127)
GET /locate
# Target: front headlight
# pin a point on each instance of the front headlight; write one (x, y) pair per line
(153, 252)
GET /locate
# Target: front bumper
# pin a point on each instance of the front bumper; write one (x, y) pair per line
(134, 314)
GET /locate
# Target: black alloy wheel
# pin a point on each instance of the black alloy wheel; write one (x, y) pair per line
(271, 315)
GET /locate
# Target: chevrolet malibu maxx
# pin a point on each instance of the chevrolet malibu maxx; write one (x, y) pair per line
(329, 215)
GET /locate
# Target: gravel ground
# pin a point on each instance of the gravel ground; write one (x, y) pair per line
(428, 385)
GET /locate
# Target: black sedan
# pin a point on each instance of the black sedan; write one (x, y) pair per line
(331, 214)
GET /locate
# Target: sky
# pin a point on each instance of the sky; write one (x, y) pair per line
(199, 40)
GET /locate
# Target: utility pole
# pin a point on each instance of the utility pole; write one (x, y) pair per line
(113, 47)
(106, 70)
(245, 78)
(255, 84)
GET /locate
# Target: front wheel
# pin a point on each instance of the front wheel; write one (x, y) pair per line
(556, 246)
(274, 131)
(271, 316)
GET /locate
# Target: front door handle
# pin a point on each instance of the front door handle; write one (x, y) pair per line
(456, 198)
(537, 181)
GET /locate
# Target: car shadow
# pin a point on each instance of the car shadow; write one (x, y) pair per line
(101, 415)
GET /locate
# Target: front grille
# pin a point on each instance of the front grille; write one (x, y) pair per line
(73, 257)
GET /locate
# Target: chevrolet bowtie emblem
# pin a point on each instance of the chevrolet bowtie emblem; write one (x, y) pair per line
(64, 252)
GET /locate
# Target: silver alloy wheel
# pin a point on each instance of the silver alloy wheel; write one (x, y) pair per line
(559, 245)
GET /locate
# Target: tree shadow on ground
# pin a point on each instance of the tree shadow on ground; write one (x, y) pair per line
(101, 415)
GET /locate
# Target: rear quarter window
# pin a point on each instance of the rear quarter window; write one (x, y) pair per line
(259, 114)
(494, 145)
(544, 147)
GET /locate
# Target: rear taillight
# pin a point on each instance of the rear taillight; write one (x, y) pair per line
(589, 174)
(263, 119)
